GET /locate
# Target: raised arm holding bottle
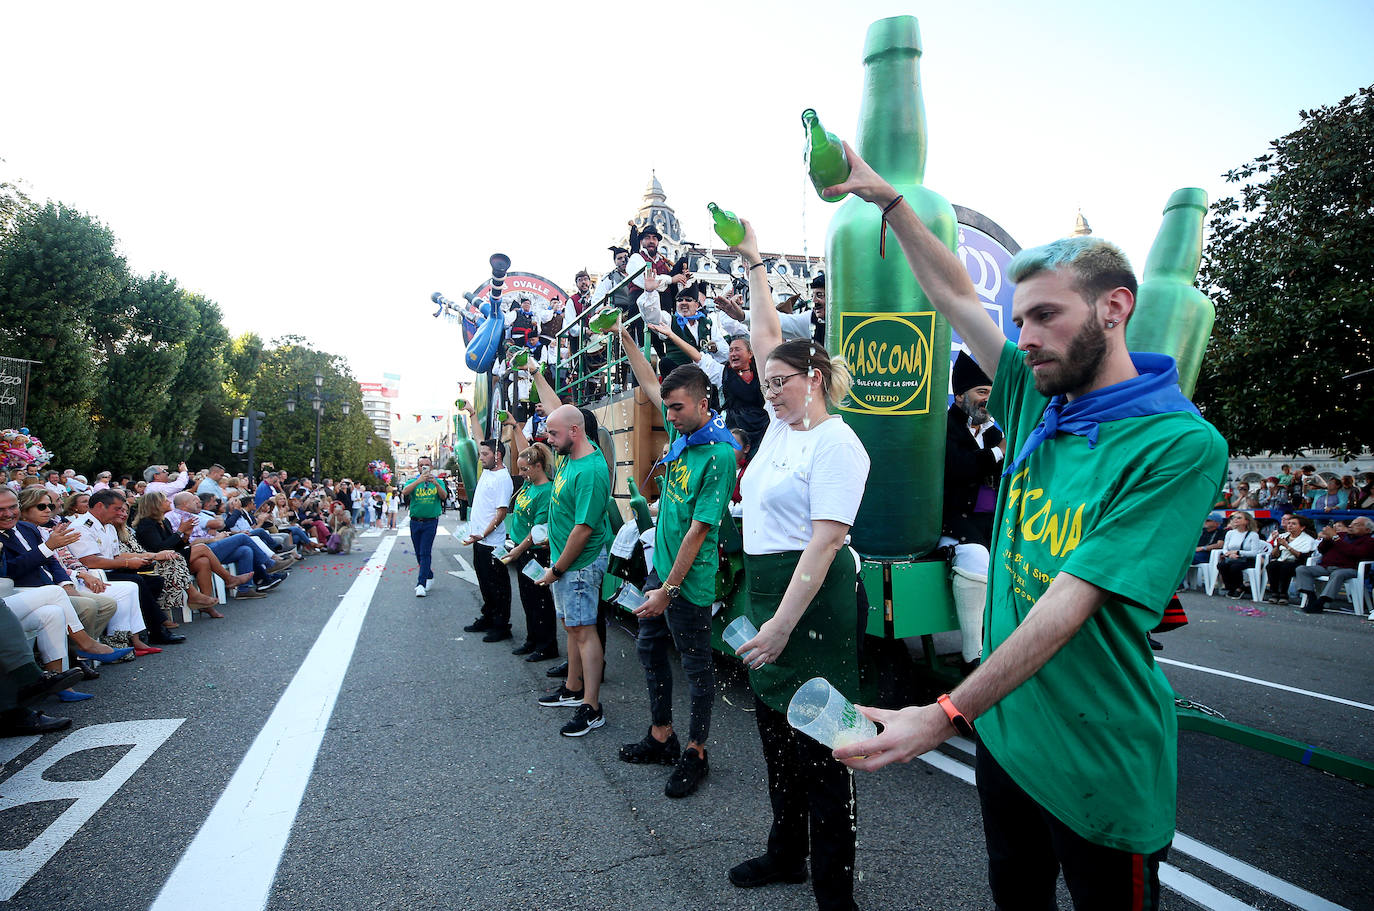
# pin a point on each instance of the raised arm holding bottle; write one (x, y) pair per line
(1077, 408)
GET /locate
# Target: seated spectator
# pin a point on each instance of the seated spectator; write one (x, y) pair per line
(171, 566)
(341, 530)
(1350, 494)
(1236, 498)
(282, 518)
(239, 549)
(157, 478)
(98, 548)
(1274, 497)
(155, 533)
(76, 483)
(75, 504)
(1239, 549)
(93, 608)
(1210, 539)
(23, 683)
(55, 484)
(1366, 495)
(1341, 554)
(1291, 550)
(1331, 499)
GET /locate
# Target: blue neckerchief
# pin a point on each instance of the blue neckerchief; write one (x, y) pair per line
(684, 320)
(713, 431)
(1155, 391)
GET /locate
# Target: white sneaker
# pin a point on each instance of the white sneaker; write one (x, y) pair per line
(420, 591)
(429, 583)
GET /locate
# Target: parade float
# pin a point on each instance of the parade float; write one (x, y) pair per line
(896, 345)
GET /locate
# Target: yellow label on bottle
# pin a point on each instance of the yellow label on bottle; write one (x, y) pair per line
(889, 356)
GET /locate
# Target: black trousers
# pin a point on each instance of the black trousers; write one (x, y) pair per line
(1028, 846)
(814, 808)
(537, 600)
(1281, 574)
(493, 578)
(149, 588)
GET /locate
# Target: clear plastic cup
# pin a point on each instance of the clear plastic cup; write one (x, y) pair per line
(533, 571)
(539, 534)
(499, 552)
(822, 713)
(630, 597)
(740, 631)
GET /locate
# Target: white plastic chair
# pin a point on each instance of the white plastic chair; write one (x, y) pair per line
(218, 584)
(1204, 575)
(1355, 588)
(1254, 575)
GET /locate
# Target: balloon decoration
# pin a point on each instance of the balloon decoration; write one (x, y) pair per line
(381, 470)
(22, 449)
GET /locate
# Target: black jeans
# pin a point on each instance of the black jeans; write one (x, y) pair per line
(1232, 569)
(537, 600)
(493, 578)
(689, 626)
(1281, 574)
(1027, 847)
(807, 786)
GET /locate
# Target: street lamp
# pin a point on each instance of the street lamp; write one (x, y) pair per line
(317, 401)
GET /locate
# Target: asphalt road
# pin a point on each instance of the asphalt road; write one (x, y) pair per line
(440, 783)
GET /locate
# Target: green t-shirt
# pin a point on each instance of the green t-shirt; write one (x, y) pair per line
(426, 501)
(1092, 736)
(580, 491)
(531, 509)
(697, 485)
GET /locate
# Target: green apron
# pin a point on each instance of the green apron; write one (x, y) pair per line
(823, 644)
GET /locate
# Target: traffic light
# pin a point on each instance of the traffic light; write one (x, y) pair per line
(238, 441)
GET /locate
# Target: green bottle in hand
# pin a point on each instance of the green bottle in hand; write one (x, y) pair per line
(728, 226)
(829, 165)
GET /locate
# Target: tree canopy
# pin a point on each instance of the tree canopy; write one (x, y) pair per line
(136, 369)
(1290, 267)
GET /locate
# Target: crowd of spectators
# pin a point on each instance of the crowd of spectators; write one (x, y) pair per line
(105, 572)
(1303, 558)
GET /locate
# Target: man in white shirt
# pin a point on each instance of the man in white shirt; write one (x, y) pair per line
(487, 531)
(159, 481)
(98, 548)
(53, 482)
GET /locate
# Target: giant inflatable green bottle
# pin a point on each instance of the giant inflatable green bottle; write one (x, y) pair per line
(1171, 315)
(895, 343)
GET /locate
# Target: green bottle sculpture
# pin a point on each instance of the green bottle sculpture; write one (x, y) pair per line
(895, 343)
(727, 224)
(1171, 315)
(640, 506)
(828, 164)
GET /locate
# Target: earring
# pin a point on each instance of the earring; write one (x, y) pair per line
(1111, 324)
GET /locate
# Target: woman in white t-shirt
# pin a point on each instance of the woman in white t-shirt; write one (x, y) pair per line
(801, 493)
(393, 505)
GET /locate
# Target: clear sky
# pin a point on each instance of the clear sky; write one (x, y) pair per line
(321, 168)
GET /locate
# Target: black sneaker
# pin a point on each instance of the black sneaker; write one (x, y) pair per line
(273, 581)
(562, 696)
(497, 635)
(760, 871)
(586, 719)
(558, 670)
(524, 649)
(688, 774)
(480, 625)
(649, 751)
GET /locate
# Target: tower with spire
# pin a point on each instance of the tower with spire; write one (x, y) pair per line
(1081, 228)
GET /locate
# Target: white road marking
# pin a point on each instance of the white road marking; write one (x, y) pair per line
(1185, 884)
(467, 574)
(439, 533)
(1254, 876)
(11, 747)
(1198, 891)
(29, 786)
(232, 861)
(1269, 683)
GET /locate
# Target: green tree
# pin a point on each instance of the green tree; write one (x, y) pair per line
(287, 440)
(198, 380)
(58, 266)
(1290, 266)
